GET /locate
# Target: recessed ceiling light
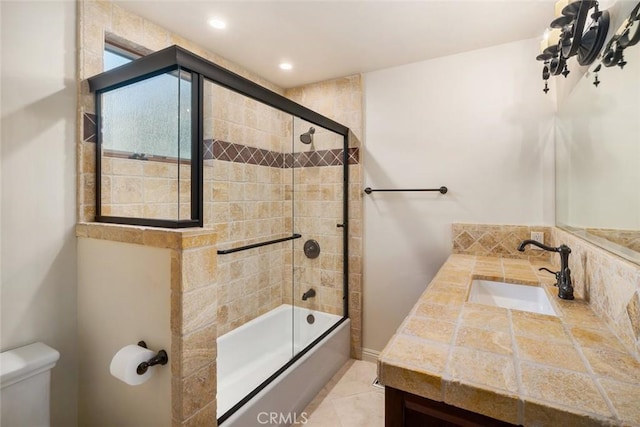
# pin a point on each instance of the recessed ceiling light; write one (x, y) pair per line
(217, 23)
(285, 66)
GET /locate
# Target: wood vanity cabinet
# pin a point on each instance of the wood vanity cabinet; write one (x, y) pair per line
(404, 409)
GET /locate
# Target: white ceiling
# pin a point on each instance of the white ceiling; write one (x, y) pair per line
(329, 39)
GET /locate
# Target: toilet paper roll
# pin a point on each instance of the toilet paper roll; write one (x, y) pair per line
(126, 361)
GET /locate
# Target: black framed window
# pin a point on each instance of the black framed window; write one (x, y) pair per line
(149, 161)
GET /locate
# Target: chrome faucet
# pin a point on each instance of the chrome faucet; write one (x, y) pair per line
(563, 277)
(309, 294)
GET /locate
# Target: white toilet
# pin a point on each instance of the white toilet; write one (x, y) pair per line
(25, 374)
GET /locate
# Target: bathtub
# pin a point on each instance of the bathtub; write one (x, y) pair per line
(252, 353)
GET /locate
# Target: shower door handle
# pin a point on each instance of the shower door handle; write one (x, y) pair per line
(340, 225)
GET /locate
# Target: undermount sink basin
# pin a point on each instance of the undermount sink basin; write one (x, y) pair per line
(509, 295)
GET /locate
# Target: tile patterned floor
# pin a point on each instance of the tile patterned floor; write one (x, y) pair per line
(348, 399)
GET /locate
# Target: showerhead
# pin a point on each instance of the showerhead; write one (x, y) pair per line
(307, 137)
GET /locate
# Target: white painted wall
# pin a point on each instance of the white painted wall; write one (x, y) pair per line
(38, 255)
(476, 122)
(124, 295)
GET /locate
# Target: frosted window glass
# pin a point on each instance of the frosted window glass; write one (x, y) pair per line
(151, 117)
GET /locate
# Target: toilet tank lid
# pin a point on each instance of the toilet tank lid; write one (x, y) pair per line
(23, 362)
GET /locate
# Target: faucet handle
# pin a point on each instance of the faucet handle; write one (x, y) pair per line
(555, 273)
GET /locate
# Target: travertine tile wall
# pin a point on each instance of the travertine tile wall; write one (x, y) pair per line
(308, 200)
(145, 189)
(245, 203)
(230, 116)
(342, 100)
(610, 284)
(300, 192)
(318, 204)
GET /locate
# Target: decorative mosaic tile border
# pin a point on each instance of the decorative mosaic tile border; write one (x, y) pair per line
(319, 158)
(238, 153)
(89, 128)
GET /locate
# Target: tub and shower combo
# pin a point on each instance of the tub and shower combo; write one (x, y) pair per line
(210, 148)
(282, 349)
(268, 368)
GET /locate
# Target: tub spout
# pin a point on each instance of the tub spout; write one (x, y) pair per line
(309, 294)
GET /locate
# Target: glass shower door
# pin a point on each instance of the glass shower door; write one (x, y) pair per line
(248, 202)
(318, 173)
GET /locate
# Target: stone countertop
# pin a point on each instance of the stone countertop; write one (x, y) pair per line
(519, 367)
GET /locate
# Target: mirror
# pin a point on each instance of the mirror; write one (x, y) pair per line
(598, 151)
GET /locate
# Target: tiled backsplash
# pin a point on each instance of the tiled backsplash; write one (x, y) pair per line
(501, 240)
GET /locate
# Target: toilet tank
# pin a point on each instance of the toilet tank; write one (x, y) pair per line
(25, 374)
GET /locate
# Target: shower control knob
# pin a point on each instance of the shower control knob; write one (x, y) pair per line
(311, 249)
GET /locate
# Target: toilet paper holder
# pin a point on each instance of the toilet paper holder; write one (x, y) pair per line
(159, 359)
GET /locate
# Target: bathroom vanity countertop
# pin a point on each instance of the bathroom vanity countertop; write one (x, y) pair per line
(515, 366)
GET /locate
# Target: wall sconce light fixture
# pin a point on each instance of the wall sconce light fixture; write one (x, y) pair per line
(579, 29)
(627, 35)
